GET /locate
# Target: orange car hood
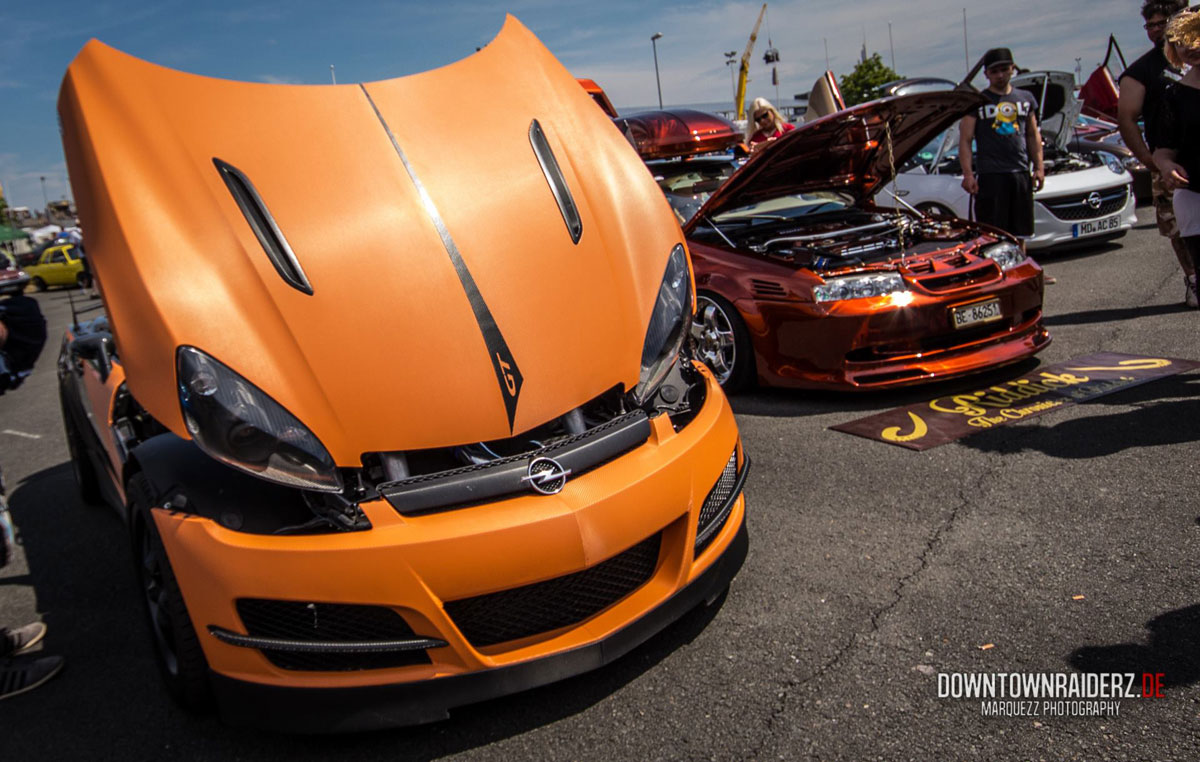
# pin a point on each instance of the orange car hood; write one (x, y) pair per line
(391, 350)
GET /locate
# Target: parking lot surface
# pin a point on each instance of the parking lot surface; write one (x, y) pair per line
(1061, 544)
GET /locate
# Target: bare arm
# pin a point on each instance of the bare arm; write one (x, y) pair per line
(1173, 174)
(1033, 139)
(966, 133)
(1129, 107)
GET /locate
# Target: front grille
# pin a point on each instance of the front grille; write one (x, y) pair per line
(328, 622)
(486, 620)
(1076, 207)
(717, 506)
(967, 276)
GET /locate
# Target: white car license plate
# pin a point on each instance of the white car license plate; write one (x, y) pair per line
(1092, 227)
(974, 314)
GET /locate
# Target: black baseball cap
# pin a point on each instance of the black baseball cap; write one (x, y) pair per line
(997, 56)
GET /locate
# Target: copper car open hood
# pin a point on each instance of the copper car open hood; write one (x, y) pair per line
(449, 302)
(846, 151)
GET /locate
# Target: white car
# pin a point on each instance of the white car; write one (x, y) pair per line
(1086, 195)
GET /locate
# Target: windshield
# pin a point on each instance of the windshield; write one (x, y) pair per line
(789, 207)
(688, 184)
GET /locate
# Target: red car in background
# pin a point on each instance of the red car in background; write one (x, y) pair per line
(802, 281)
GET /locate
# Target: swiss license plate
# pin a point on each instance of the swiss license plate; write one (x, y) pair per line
(974, 314)
(1092, 227)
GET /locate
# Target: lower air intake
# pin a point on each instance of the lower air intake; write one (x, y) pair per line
(717, 506)
(328, 622)
(486, 620)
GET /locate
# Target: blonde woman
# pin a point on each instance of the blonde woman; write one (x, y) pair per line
(1177, 152)
(765, 124)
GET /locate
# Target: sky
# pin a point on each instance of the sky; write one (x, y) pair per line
(296, 41)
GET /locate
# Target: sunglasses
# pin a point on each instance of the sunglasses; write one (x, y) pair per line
(762, 117)
(1154, 25)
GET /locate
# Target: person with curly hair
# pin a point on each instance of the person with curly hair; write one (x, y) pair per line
(1178, 133)
(1142, 87)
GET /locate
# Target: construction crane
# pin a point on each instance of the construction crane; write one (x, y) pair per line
(744, 70)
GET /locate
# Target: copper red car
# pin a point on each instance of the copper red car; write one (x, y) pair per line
(802, 281)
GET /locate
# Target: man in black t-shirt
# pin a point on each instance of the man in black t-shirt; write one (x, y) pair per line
(1142, 87)
(1007, 140)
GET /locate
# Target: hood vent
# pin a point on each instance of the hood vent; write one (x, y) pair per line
(264, 227)
(558, 184)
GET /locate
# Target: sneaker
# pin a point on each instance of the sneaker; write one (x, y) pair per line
(21, 639)
(1189, 296)
(25, 674)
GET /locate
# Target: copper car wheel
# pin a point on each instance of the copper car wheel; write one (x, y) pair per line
(721, 340)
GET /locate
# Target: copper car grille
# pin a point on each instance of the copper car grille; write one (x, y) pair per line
(926, 266)
(520, 612)
(1076, 207)
(981, 272)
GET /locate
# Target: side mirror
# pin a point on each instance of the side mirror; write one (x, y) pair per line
(96, 348)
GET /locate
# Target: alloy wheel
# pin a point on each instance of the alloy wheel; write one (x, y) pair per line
(715, 339)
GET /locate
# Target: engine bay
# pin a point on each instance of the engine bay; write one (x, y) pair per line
(837, 240)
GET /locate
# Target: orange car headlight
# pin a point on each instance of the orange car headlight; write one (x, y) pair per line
(668, 325)
(238, 424)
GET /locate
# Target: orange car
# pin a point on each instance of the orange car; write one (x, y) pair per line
(360, 502)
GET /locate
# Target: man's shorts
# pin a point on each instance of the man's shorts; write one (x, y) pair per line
(1005, 200)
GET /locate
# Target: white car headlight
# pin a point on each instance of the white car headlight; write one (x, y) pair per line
(858, 287)
(1112, 162)
(238, 424)
(668, 325)
(1005, 254)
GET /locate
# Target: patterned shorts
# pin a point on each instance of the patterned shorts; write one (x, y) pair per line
(1164, 210)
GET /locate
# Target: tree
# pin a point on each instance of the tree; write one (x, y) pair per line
(863, 83)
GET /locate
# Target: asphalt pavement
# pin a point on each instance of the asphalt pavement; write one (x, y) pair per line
(1062, 544)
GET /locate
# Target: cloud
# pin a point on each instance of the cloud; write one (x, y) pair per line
(273, 79)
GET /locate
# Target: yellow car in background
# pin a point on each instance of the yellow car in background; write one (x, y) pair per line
(60, 265)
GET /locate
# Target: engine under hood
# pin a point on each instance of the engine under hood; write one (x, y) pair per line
(846, 151)
(438, 291)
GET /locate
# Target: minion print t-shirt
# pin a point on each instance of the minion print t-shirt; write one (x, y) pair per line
(1000, 125)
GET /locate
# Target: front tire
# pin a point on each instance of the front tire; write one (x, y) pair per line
(86, 478)
(179, 655)
(722, 342)
(38, 284)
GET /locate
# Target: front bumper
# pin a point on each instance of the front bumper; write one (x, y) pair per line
(1049, 230)
(865, 344)
(420, 566)
(308, 710)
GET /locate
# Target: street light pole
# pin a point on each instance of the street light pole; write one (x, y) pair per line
(332, 74)
(654, 44)
(729, 62)
(45, 201)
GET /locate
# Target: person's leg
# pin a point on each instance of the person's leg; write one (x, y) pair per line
(1191, 245)
(986, 200)
(1168, 227)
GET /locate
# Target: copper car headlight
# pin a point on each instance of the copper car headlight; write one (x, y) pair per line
(238, 424)
(668, 325)
(858, 287)
(1007, 255)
